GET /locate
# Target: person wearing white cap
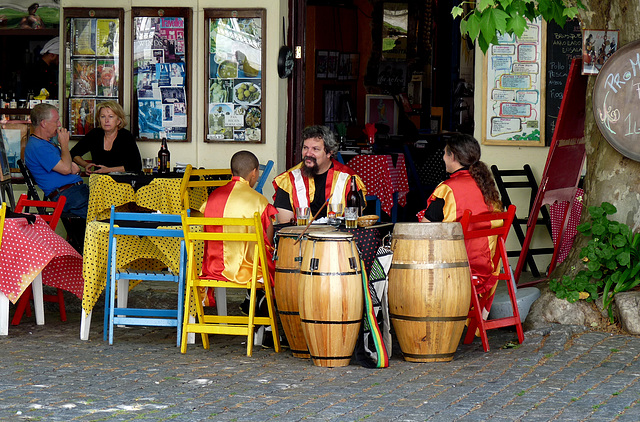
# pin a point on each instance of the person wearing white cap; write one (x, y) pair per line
(45, 72)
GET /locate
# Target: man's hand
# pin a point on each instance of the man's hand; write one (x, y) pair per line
(63, 137)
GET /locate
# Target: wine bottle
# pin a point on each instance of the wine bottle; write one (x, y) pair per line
(353, 198)
(164, 162)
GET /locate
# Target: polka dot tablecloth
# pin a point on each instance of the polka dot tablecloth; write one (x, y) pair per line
(556, 214)
(30, 249)
(134, 252)
(382, 178)
(162, 194)
(368, 241)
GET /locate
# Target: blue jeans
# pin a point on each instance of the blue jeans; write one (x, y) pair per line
(77, 200)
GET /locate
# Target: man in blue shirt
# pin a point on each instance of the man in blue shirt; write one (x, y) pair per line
(51, 164)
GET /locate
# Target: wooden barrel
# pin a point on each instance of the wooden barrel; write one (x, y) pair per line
(331, 297)
(429, 289)
(287, 278)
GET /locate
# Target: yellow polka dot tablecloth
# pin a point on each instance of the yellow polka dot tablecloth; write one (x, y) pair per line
(161, 194)
(137, 253)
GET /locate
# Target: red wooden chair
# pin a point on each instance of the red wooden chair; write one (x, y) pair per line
(52, 219)
(473, 230)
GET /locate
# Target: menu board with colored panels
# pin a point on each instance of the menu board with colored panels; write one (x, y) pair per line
(93, 65)
(514, 87)
(235, 77)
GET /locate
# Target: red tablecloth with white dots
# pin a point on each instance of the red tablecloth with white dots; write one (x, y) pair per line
(556, 215)
(30, 249)
(382, 178)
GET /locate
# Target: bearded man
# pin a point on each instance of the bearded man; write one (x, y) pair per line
(317, 179)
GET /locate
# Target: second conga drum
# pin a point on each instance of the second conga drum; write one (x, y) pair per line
(429, 289)
(330, 297)
(287, 278)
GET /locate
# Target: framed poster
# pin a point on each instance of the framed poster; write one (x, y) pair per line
(15, 137)
(597, 47)
(382, 109)
(94, 38)
(5, 170)
(161, 94)
(513, 109)
(235, 75)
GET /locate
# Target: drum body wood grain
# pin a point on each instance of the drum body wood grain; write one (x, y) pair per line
(287, 280)
(330, 297)
(429, 289)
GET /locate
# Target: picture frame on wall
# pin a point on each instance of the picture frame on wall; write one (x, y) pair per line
(5, 170)
(93, 63)
(348, 66)
(382, 109)
(161, 95)
(322, 61)
(332, 64)
(597, 47)
(236, 59)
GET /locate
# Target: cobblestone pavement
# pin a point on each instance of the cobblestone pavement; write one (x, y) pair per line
(564, 374)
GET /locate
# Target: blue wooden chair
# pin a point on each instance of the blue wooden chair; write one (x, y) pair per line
(123, 224)
(265, 171)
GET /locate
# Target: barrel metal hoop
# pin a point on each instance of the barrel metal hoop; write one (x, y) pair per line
(429, 356)
(316, 273)
(313, 321)
(422, 237)
(331, 357)
(302, 352)
(428, 265)
(428, 319)
(287, 270)
(288, 312)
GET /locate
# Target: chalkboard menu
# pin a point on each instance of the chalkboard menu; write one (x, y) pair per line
(563, 45)
(616, 100)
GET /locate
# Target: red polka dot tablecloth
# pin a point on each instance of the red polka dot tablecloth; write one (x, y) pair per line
(30, 249)
(556, 214)
(382, 178)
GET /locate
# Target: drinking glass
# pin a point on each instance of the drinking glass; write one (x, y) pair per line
(334, 213)
(351, 217)
(302, 215)
(147, 165)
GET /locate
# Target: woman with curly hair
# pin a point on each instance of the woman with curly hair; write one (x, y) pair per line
(470, 186)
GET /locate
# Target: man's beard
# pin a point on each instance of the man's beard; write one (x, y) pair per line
(309, 171)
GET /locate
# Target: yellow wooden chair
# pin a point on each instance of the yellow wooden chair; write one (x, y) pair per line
(223, 324)
(206, 178)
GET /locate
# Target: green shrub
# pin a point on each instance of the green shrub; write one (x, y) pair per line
(611, 257)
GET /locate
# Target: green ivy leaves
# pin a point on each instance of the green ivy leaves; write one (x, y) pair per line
(509, 17)
(612, 258)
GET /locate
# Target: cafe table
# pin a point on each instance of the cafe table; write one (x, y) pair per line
(153, 192)
(142, 253)
(385, 176)
(33, 254)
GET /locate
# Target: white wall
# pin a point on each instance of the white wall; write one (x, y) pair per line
(197, 152)
(511, 158)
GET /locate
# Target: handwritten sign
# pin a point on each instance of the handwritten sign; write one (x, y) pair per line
(513, 107)
(616, 100)
(563, 45)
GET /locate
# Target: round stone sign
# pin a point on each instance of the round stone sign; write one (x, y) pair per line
(616, 100)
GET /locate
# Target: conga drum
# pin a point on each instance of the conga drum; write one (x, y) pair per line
(287, 278)
(429, 289)
(330, 297)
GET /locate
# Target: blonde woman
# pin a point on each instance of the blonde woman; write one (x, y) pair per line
(112, 147)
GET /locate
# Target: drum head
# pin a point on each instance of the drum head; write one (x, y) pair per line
(294, 231)
(434, 231)
(335, 236)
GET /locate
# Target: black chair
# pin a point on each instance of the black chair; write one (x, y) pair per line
(75, 226)
(524, 180)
